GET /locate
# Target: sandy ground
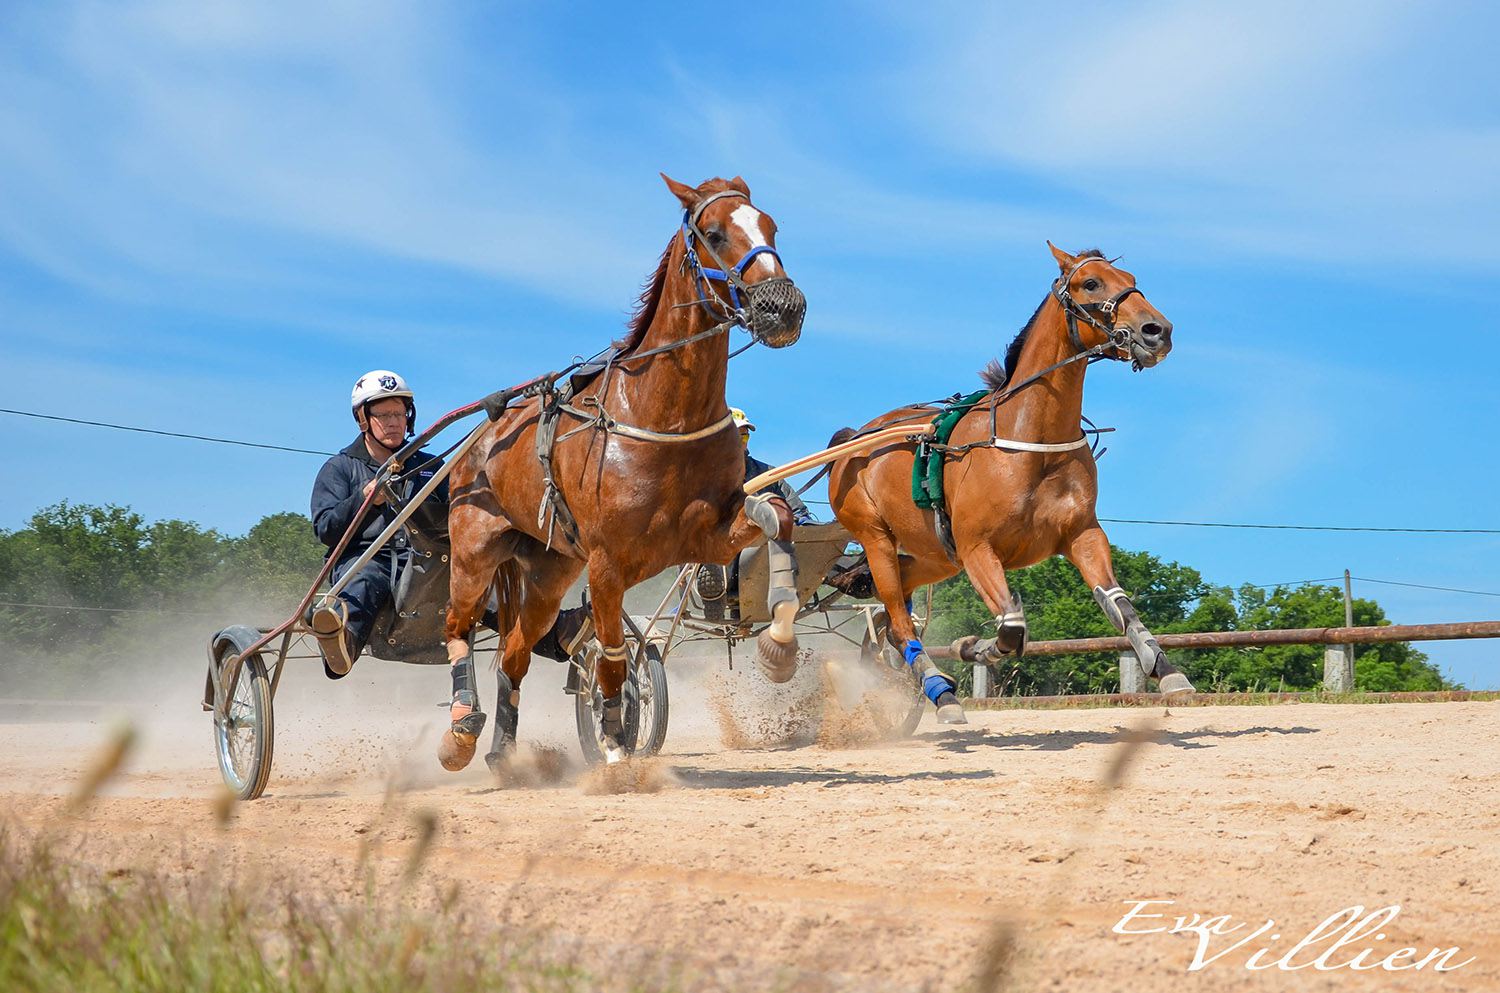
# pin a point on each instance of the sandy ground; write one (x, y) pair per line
(884, 865)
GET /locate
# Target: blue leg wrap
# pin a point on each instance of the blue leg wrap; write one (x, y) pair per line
(912, 650)
(935, 685)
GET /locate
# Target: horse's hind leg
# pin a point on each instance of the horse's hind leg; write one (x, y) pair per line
(535, 609)
(478, 547)
(885, 567)
(1089, 551)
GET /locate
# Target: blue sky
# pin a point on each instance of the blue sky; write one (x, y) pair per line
(214, 217)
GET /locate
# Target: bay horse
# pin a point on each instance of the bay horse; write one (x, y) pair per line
(636, 470)
(1020, 482)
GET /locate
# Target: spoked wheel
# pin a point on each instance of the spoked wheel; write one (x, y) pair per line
(881, 657)
(242, 735)
(645, 694)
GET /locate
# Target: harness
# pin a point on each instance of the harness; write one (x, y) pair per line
(748, 307)
(933, 450)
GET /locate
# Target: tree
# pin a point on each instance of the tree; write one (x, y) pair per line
(89, 592)
(278, 557)
(1174, 598)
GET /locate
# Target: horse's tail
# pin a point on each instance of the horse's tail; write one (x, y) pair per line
(840, 436)
(508, 596)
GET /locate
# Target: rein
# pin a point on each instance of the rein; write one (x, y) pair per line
(1117, 343)
(731, 275)
(734, 316)
(1075, 311)
(553, 513)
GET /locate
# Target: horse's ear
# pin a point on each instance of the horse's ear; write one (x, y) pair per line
(1064, 260)
(740, 185)
(685, 194)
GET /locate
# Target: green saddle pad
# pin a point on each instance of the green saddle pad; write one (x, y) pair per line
(927, 469)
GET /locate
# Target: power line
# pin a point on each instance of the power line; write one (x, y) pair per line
(1420, 586)
(107, 610)
(824, 503)
(1301, 527)
(165, 434)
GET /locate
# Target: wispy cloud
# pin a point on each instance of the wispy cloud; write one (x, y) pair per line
(1267, 128)
(171, 138)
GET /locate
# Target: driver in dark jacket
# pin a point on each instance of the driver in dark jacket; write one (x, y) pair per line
(383, 408)
(385, 411)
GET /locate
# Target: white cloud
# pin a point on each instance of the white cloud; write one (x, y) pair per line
(172, 138)
(1278, 128)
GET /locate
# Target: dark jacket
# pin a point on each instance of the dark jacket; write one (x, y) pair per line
(754, 467)
(339, 490)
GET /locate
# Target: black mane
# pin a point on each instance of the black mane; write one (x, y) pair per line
(995, 375)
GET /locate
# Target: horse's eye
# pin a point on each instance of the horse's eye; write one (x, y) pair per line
(1091, 284)
(715, 235)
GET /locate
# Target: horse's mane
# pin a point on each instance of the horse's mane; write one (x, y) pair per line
(650, 298)
(994, 375)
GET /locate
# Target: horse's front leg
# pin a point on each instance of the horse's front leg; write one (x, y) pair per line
(768, 514)
(988, 574)
(607, 597)
(1089, 551)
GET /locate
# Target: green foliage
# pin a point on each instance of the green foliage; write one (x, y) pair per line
(135, 588)
(278, 556)
(1174, 598)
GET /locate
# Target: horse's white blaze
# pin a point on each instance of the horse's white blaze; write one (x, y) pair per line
(747, 219)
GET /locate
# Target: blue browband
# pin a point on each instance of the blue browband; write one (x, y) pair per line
(733, 275)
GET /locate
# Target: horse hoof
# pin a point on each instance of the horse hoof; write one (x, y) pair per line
(613, 754)
(456, 751)
(777, 661)
(457, 747)
(1174, 684)
(951, 713)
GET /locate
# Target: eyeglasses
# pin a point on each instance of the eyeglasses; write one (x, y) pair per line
(398, 416)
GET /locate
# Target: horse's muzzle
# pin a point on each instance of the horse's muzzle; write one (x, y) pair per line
(776, 308)
(1149, 344)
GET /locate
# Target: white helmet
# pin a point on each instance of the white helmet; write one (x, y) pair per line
(380, 384)
(742, 420)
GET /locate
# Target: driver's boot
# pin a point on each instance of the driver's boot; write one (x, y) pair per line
(329, 623)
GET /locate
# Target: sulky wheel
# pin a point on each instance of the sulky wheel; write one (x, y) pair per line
(243, 731)
(645, 701)
(882, 657)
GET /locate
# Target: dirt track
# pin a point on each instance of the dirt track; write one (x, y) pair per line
(885, 866)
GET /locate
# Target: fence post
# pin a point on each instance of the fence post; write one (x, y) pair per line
(1338, 668)
(981, 680)
(1132, 679)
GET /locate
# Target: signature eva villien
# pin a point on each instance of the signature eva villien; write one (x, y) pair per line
(1346, 939)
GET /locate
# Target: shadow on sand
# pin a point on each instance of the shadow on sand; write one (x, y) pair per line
(967, 741)
(740, 779)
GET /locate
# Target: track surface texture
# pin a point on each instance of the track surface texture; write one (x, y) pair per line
(854, 865)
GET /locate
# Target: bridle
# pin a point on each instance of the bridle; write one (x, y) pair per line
(1108, 309)
(731, 275)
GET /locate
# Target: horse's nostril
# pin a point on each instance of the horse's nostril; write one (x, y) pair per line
(1152, 331)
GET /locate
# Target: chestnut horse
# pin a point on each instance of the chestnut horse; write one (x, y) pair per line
(1019, 478)
(640, 469)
